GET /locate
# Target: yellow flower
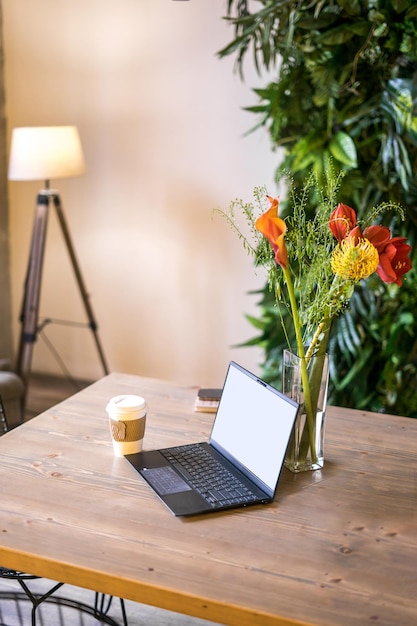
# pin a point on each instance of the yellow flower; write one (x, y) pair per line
(355, 259)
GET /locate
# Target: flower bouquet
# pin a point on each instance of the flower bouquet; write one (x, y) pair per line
(313, 265)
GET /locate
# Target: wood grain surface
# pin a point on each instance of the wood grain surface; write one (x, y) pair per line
(337, 547)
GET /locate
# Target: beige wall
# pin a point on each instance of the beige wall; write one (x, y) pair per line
(6, 347)
(161, 121)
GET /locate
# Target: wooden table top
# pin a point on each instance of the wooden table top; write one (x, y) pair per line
(337, 547)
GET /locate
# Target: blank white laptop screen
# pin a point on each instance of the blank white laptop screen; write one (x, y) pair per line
(253, 424)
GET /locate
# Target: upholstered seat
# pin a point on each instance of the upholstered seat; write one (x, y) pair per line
(12, 392)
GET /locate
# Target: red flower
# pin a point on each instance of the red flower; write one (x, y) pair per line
(273, 228)
(341, 221)
(393, 253)
(356, 234)
(379, 236)
(394, 261)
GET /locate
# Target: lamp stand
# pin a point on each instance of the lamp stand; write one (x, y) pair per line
(30, 306)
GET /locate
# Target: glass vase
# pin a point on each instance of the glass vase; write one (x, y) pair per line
(306, 381)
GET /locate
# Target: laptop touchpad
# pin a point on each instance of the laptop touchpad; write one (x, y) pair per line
(165, 480)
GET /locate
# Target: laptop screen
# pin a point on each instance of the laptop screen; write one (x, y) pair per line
(253, 425)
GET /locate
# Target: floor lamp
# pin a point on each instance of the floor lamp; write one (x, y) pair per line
(45, 153)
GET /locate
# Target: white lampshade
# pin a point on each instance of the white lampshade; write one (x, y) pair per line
(45, 153)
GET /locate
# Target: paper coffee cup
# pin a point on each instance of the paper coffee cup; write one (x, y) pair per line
(127, 417)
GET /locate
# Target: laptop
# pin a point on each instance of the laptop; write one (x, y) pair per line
(241, 463)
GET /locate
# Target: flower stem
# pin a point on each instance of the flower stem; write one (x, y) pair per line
(304, 372)
(322, 328)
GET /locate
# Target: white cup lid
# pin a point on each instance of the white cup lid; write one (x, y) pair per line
(126, 403)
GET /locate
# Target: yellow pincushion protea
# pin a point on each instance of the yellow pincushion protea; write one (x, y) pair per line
(354, 259)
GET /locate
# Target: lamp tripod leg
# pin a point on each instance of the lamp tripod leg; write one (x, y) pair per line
(84, 295)
(30, 305)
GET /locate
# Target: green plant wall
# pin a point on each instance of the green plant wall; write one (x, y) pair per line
(345, 89)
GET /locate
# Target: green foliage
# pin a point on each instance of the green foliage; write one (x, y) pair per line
(345, 89)
(367, 347)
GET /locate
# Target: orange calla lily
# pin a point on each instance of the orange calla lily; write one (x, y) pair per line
(273, 228)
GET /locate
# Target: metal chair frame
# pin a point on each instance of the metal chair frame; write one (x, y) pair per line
(102, 602)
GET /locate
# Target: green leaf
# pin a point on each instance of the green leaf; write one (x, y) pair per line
(358, 366)
(336, 36)
(411, 13)
(400, 5)
(406, 319)
(255, 321)
(342, 147)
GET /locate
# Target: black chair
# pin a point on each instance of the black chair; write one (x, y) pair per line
(3, 422)
(12, 391)
(102, 602)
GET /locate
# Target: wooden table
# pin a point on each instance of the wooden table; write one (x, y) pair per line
(338, 547)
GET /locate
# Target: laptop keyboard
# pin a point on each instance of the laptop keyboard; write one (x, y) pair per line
(207, 476)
